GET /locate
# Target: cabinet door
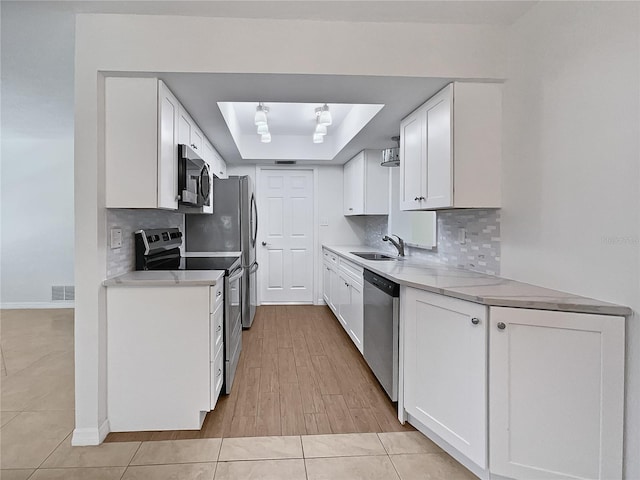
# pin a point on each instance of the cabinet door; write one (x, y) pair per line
(445, 369)
(356, 314)
(326, 282)
(344, 300)
(221, 167)
(197, 139)
(184, 127)
(354, 178)
(438, 180)
(169, 112)
(556, 393)
(412, 160)
(334, 297)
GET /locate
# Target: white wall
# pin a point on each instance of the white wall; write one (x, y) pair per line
(138, 43)
(37, 155)
(571, 163)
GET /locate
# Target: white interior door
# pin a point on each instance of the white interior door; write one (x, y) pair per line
(285, 248)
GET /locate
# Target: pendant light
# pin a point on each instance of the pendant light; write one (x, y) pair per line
(321, 129)
(260, 118)
(324, 115)
(318, 138)
(265, 138)
(262, 129)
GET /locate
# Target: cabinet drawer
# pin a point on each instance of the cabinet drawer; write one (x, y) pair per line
(217, 377)
(352, 269)
(216, 296)
(216, 321)
(330, 257)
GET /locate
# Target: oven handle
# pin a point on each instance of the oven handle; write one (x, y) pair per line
(236, 276)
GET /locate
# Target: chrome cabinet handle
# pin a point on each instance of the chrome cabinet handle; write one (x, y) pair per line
(501, 326)
(416, 199)
(219, 372)
(350, 208)
(264, 244)
(346, 284)
(218, 294)
(475, 321)
(219, 328)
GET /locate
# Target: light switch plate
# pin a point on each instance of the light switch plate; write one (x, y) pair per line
(116, 238)
(462, 236)
(324, 222)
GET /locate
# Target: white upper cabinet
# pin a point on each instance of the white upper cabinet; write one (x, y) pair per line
(144, 124)
(451, 149)
(218, 165)
(556, 389)
(366, 185)
(189, 133)
(141, 120)
(169, 110)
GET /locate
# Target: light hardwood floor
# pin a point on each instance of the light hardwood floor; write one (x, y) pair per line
(299, 373)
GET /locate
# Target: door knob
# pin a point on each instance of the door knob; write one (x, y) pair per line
(501, 326)
(264, 244)
(475, 321)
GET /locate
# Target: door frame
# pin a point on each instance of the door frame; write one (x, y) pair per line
(316, 236)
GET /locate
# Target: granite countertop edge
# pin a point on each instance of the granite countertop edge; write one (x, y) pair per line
(165, 278)
(477, 287)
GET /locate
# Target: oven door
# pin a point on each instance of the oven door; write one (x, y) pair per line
(232, 325)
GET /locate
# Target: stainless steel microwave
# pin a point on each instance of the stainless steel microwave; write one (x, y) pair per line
(194, 182)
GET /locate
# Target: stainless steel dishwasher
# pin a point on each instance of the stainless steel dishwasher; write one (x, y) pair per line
(381, 319)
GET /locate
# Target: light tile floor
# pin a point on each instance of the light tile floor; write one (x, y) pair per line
(38, 417)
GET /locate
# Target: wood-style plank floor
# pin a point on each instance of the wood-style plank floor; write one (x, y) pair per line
(299, 374)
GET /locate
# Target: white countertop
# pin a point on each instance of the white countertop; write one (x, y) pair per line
(146, 278)
(476, 287)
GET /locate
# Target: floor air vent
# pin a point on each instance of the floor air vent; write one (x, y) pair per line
(63, 292)
(285, 162)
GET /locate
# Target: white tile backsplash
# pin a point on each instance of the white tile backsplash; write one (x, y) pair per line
(480, 251)
(122, 260)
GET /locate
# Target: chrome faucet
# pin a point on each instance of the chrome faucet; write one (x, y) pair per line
(399, 244)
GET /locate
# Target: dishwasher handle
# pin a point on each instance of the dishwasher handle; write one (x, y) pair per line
(387, 286)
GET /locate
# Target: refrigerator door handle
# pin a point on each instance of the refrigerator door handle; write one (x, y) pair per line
(254, 223)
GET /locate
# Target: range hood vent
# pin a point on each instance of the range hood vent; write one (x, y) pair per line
(391, 156)
(285, 162)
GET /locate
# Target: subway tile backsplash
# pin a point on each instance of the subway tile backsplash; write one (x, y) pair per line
(122, 260)
(480, 251)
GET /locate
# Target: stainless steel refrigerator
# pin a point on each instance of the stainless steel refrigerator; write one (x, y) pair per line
(233, 227)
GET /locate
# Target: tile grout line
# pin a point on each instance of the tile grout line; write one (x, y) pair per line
(304, 459)
(52, 451)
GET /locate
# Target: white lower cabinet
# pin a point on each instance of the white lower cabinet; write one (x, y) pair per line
(342, 283)
(351, 309)
(514, 392)
(445, 365)
(164, 350)
(556, 389)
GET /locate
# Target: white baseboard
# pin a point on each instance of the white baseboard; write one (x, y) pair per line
(36, 305)
(90, 436)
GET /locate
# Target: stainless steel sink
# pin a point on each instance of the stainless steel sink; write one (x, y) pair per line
(373, 256)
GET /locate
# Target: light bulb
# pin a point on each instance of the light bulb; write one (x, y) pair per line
(265, 138)
(321, 129)
(260, 117)
(325, 116)
(263, 128)
(318, 138)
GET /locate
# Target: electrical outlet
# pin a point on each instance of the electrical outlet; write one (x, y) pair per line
(462, 236)
(324, 222)
(116, 238)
